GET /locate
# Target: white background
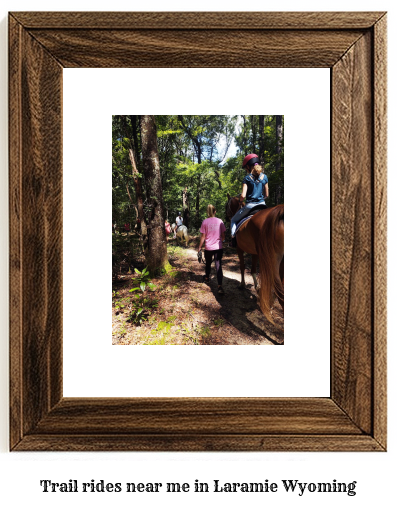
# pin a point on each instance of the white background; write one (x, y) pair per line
(178, 371)
(21, 473)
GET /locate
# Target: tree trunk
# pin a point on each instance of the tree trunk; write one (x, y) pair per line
(133, 156)
(186, 218)
(186, 214)
(139, 194)
(134, 123)
(244, 136)
(253, 128)
(279, 138)
(197, 218)
(262, 140)
(197, 146)
(184, 199)
(279, 149)
(157, 258)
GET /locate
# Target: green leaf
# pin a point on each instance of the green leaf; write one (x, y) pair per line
(143, 286)
(132, 290)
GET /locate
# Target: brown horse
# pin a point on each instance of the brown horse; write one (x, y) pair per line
(262, 236)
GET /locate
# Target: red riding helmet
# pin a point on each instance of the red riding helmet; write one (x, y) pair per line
(249, 158)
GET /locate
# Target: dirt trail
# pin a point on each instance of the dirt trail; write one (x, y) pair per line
(240, 307)
(193, 313)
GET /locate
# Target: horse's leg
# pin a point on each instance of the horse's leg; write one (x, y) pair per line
(281, 270)
(281, 273)
(279, 284)
(253, 270)
(242, 267)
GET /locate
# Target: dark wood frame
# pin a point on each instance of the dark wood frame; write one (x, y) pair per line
(353, 46)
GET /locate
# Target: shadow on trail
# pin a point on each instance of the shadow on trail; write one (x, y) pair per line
(194, 277)
(240, 309)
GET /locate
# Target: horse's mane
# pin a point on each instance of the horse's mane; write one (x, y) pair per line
(230, 209)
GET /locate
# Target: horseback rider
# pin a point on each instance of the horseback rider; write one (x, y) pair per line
(179, 222)
(255, 190)
(167, 226)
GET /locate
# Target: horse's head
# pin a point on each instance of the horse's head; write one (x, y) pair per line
(232, 206)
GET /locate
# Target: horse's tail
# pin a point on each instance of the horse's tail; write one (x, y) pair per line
(183, 234)
(271, 254)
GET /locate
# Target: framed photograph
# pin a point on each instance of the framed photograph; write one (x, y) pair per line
(171, 268)
(353, 46)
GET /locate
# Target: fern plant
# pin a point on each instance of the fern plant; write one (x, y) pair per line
(142, 304)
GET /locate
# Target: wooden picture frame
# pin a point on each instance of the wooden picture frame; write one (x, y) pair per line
(353, 46)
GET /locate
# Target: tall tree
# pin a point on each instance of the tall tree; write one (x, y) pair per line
(245, 151)
(184, 199)
(262, 139)
(253, 127)
(279, 139)
(279, 150)
(134, 158)
(157, 258)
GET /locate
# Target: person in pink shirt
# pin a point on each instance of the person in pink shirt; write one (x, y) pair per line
(167, 229)
(213, 233)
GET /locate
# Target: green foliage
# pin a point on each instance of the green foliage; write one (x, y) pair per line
(219, 322)
(144, 280)
(140, 310)
(142, 303)
(165, 326)
(122, 330)
(196, 168)
(204, 331)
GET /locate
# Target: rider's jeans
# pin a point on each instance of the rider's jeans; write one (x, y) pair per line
(242, 213)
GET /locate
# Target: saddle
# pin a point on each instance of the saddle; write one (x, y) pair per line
(252, 212)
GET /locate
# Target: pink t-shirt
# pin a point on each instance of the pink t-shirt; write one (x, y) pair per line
(213, 228)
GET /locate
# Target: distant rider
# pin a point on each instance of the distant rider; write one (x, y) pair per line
(167, 228)
(179, 222)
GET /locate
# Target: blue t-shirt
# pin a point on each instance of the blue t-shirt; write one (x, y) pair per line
(255, 187)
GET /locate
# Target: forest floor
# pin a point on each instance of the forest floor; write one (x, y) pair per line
(183, 310)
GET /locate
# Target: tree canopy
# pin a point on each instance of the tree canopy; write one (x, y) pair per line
(200, 159)
(169, 164)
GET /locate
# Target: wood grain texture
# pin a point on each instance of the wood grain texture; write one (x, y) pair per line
(196, 48)
(380, 229)
(232, 416)
(15, 257)
(199, 443)
(41, 230)
(200, 20)
(36, 187)
(354, 46)
(352, 258)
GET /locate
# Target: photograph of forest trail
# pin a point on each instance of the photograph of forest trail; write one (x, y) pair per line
(182, 274)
